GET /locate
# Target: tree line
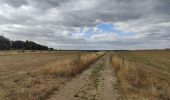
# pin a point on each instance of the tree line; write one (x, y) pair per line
(6, 44)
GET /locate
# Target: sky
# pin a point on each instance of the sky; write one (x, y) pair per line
(88, 24)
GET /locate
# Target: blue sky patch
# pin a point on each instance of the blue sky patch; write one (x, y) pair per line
(108, 27)
(104, 29)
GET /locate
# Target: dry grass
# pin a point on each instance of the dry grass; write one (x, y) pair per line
(35, 76)
(15, 63)
(71, 67)
(140, 79)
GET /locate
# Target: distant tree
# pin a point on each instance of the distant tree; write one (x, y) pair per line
(51, 49)
(29, 45)
(4, 43)
(20, 45)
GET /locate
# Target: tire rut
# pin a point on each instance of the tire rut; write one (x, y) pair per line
(96, 83)
(68, 92)
(109, 83)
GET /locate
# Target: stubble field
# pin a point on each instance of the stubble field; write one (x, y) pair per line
(143, 74)
(35, 75)
(82, 75)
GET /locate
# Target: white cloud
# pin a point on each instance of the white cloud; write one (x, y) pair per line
(64, 23)
(104, 37)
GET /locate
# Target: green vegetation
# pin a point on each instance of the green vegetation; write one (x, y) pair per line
(95, 75)
(6, 44)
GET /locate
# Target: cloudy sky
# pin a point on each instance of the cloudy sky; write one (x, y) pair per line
(88, 24)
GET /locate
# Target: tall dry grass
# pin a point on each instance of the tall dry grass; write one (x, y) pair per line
(70, 67)
(141, 82)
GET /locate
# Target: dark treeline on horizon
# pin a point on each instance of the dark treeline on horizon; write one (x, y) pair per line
(6, 44)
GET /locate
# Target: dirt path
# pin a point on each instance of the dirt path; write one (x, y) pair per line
(109, 82)
(96, 83)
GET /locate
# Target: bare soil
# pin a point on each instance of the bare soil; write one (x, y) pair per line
(98, 82)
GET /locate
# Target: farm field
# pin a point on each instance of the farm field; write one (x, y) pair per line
(13, 63)
(84, 49)
(68, 75)
(35, 75)
(143, 74)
